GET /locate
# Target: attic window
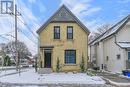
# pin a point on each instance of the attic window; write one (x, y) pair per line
(118, 56)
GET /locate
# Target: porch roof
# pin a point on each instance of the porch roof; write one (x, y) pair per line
(47, 47)
(125, 45)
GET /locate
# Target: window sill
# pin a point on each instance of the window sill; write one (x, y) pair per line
(70, 64)
(70, 39)
(57, 39)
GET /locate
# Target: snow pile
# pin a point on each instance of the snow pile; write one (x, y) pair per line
(30, 77)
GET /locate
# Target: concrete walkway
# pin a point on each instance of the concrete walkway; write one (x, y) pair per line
(114, 79)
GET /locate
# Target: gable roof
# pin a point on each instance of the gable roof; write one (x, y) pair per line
(113, 30)
(63, 14)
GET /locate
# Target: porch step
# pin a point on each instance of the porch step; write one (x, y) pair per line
(44, 70)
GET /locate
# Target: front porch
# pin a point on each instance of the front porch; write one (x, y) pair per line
(46, 57)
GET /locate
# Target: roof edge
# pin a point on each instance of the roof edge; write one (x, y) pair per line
(112, 28)
(75, 18)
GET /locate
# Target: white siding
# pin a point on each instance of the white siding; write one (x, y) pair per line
(124, 34)
(109, 48)
(93, 52)
(100, 59)
(112, 50)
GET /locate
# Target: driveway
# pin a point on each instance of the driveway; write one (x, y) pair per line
(115, 79)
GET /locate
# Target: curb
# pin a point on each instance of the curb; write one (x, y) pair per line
(53, 85)
(116, 83)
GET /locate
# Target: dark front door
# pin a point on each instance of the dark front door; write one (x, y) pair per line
(47, 60)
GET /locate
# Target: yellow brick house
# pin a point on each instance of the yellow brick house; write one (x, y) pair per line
(63, 37)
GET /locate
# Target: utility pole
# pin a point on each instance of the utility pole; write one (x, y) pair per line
(16, 41)
(12, 10)
(16, 51)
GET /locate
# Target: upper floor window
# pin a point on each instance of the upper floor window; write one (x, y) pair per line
(56, 32)
(69, 32)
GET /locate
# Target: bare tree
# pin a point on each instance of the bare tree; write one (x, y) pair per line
(99, 31)
(22, 49)
(103, 29)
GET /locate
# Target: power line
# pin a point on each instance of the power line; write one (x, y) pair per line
(27, 27)
(7, 32)
(26, 23)
(24, 33)
(4, 37)
(26, 36)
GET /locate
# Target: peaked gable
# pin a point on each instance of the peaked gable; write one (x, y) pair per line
(113, 30)
(63, 14)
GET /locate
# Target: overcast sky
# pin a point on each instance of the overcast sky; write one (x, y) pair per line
(93, 13)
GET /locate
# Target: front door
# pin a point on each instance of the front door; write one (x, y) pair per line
(47, 60)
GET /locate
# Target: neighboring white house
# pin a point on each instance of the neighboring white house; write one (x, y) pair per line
(111, 50)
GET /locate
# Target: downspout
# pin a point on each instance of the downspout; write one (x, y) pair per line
(90, 54)
(116, 40)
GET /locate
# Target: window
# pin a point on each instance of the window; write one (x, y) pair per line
(118, 56)
(69, 32)
(70, 57)
(56, 32)
(107, 58)
(128, 55)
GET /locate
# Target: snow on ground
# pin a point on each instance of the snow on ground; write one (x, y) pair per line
(124, 76)
(12, 71)
(4, 67)
(30, 77)
(4, 72)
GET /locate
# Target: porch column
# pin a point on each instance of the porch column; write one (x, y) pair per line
(41, 58)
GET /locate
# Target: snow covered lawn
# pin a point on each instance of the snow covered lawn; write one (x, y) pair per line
(8, 67)
(30, 77)
(4, 72)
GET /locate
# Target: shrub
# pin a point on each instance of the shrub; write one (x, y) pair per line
(91, 73)
(58, 65)
(7, 61)
(82, 65)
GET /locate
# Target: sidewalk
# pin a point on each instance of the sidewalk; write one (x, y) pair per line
(114, 79)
